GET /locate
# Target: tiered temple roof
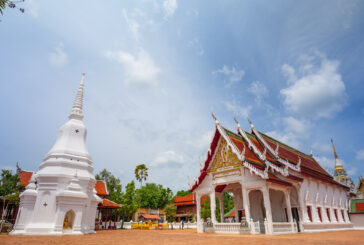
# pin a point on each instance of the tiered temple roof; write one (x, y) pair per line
(255, 150)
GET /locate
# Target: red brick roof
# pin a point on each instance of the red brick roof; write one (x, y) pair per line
(100, 187)
(109, 204)
(25, 177)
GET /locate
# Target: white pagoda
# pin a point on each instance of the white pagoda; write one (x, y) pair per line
(60, 198)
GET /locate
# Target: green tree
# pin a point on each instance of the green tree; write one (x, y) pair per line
(170, 211)
(152, 195)
(129, 202)
(9, 191)
(141, 173)
(182, 193)
(205, 208)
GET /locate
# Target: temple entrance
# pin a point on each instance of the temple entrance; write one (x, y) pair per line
(68, 220)
(257, 209)
(295, 207)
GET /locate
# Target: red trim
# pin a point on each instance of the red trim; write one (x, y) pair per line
(328, 214)
(335, 212)
(319, 213)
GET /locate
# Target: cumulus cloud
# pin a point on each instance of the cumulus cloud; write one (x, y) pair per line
(259, 90)
(195, 44)
(166, 158)
(232, 75)
(315, 90)
(322, 148)
(139, 68)
(169, 7)
(327, 163)
(237, 109)
(360, 155)
(58, 57)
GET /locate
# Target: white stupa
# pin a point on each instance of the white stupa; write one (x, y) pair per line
(60, 198)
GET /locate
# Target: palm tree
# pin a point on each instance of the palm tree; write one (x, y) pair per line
(141, 173)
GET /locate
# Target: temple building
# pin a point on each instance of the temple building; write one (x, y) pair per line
(185, 207)
(277, 189)
(60, 197)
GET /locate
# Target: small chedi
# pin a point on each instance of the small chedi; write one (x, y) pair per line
(60, 198)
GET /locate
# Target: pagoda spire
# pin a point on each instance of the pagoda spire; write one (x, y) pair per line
(337, 160)
(76, 112)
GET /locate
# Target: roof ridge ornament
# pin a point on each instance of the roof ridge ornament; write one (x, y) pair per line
(76, 112)
(250, 122)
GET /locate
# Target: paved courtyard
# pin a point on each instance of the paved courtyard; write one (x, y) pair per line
(187, 237)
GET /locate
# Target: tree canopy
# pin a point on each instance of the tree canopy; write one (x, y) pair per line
(154, 196)
(182, 193)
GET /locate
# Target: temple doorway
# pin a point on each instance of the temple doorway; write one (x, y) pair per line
(68, 220)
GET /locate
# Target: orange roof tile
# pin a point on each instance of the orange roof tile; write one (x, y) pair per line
(109, 204)
(185, 200)
(100, 187)
(25, 177)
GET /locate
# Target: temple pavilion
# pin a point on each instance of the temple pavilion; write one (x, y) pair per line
(276, 188)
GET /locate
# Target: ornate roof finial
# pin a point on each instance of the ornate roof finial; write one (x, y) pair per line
(213, 116)
(333, 147)
(251, 124)
(76, 112)
(237, 122)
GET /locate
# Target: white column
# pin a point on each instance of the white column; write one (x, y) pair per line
(246, 203)
(332, 215)
(221, 202)
(315, 216)
(213, 205)
(198, 212)
(268, 210)
(303, 207)
(236, 207)
(288, 204)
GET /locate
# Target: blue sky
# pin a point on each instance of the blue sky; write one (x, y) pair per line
(156, 69)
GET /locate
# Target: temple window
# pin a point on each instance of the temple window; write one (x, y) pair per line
(319, 213)
(335, 212)
(328, 214)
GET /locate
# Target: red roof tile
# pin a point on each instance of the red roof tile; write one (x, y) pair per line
(25, 177)
(109, 204)
(100, 187)
(150, 216)
(185, 200)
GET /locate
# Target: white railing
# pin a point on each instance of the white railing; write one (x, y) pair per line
(227, 227)
(284, 227)
(254, 227)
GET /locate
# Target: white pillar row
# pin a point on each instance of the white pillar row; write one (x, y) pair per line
(221, 202)
(213, 205)
(268, 209)
(288, 204)
(246, 203)
(198, 212)
(235, 207)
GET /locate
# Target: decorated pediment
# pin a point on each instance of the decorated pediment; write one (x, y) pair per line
(224, 161)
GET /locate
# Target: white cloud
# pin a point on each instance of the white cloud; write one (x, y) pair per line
(58, 57)
(195, 43)
(233, 75)
(169, 7)
(294, 131)
(167, 158)
(259, 90)
(202, 142)
(237, 109)
(318, 92)
(132, 24)
(139, 69)
(360, 155)
(322, 148)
